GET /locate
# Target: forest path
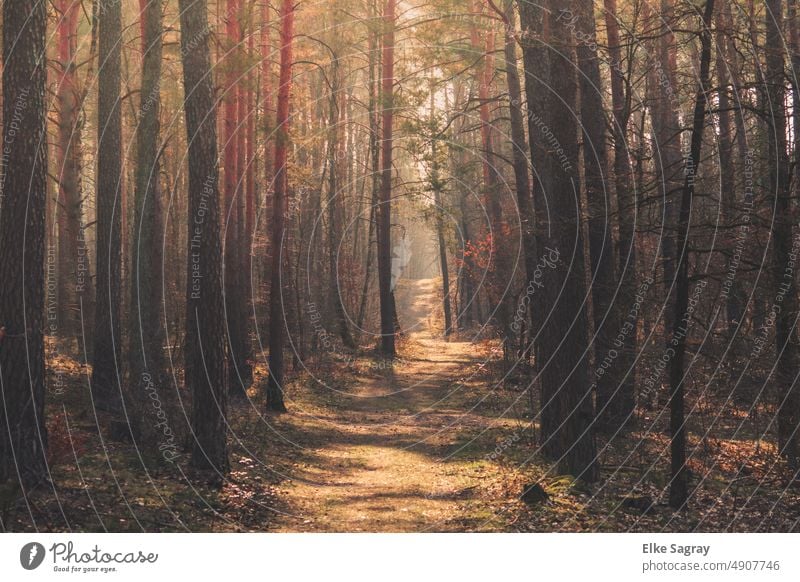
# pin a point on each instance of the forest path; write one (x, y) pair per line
(406, 448)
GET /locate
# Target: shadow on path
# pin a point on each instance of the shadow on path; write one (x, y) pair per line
(404, 449)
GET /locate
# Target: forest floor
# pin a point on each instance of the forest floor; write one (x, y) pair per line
(431, 441)
(407, 445)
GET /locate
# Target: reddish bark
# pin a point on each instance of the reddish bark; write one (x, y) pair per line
(230, 111)
(234, 161)
(267, 125)
(266, 91)
(142, 32)
(491, 179)
(250, 208)
(250, 198)
(484, 80)
(277, 320)
(69, 198)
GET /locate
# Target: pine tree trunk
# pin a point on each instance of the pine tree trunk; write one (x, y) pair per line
(251, 163)
(663, 98)
(519, 146)
(536, 59)
(614, 402)
(787, 345)
(148, 371)
(564, 378)
(446, 309)
(277, 317)
(205, 323)
(240, 371)
(499, 267)
(626, 204)
(233, 172)
(335, 285)
(23, 436)
(733, 307)
(437, 187)
(679, 485)
(794, 79)
(70, 231)
(387, 304)
(107, 364)
(374, 157)
(483, 79)
(267, 125)
(562, 354)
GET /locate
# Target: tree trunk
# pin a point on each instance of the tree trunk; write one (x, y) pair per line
(626, 247)
(147, 364)
(794, 80)
(448, 316)
(731, 296)
(23, 436)
(519, 147)
(499, 267)
(483, 80)
(335, 285)
(614, 402)
(205, 324)
(277, 317)
(567, 408)
(437, 186)
(468, 299)
(536, 59)
(387, 305)
(374, 157)
(679, 485)
(267, 123)
(107, 364)
(787, 346)
(233, 170)
(240, 371)
(667, 147)
(70, 230)
(251, 163)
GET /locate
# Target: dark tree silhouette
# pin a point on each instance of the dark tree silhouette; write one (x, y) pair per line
(107, 363)
(614, 404)
(566, 401)
(147, 363)
(23, 438)
(787, 344)
(679, 486)
(387, 306)
(619, 404)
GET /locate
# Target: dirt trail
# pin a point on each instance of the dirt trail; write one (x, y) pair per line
(406, 448)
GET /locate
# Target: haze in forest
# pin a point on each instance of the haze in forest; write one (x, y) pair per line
(387, 265)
